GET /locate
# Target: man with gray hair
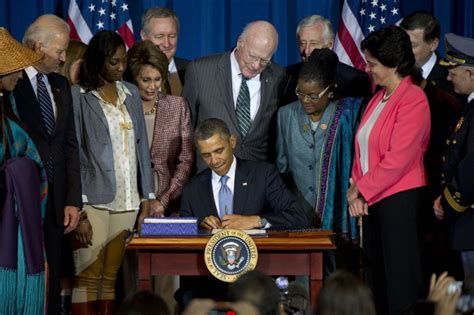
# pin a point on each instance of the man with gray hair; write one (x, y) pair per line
(316, 32)
(242, 88)
(161, 27)
(44, 104)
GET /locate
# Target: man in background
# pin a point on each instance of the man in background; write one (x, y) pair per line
(161, 26)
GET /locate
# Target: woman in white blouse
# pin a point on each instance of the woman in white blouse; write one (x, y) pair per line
(115, 170)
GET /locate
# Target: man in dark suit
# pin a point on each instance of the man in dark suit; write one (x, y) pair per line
(235, 193)
(56, 143)
(456, 202)
(315, 32)
(161, 26)
(424, 31)
(241, 87)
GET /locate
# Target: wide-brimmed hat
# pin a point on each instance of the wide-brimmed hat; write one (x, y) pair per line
(459, 51)
(13, 55)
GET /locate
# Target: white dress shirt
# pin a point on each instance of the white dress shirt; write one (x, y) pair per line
(253, 85)
(471, 97)
(428, 66)
(31, 72)
(172, 66)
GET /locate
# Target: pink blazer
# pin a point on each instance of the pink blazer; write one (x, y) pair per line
(397, 144)
(172, 151)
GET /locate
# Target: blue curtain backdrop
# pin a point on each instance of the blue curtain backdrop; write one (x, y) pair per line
(212, 26)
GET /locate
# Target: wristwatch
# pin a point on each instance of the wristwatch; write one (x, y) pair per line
(263, 222)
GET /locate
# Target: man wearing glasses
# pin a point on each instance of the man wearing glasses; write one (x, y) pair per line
(242, 88)
(314, 151)
(316, 32)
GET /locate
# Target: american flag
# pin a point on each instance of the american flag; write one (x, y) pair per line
(358, 19)
(87, 17)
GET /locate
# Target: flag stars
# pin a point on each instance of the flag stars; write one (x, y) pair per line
(394, 11)
(100, 25)
(124, 7)
(382, 20)
(102, 11)
(374, 3)
(113, 16)
(113, 3)
(371, 28)
(92, 7)
(373, 16)
(383, 7)
(362, 12)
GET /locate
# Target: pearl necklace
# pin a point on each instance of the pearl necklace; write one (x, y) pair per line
(153, 109)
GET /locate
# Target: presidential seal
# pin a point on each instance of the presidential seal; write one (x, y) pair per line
(229, 254)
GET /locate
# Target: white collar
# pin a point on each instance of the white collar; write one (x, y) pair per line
(428, 66)
(31, 72)
(172, 66)
(471, 97)
(230, 173)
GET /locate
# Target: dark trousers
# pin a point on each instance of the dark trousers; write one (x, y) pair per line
(391, 252)
(53, 235)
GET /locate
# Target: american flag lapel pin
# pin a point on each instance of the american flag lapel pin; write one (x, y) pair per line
(244, 184)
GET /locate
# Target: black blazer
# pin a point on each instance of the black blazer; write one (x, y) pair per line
(438, 76)
(258, 190)
(351, 82)
(62, 145)
(181, 65)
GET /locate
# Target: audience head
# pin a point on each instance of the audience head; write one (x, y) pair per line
(105, 60)
(255, 47)
(460, 62)
(316, 81)
(314, 32)
(74, 53)
(14, 57)
(144, 303)
(424, 31)
(258, 289)
(215, 144)
(388, 53)
(161, 27)
(344, 294)
(148, 69)
(48, 35)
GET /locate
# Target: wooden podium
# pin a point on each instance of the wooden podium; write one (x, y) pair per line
(279, 254)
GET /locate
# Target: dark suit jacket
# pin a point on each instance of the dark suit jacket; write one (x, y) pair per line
(181, 65)
(438, 76)
(208, 90)
(351, 82)
(62, 145)
(258, 190)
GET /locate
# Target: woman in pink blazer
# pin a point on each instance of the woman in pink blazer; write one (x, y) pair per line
(388, 171)
(168, 121)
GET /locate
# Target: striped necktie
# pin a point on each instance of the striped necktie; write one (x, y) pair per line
(47, 113)
(242, 109)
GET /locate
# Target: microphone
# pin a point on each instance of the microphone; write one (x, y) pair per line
(298, 300)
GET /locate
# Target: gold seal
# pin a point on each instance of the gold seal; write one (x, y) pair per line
(229, 254)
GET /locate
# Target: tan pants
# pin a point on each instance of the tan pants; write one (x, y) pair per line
(97, 265)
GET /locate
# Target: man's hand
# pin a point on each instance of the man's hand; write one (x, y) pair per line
(156, 208)
(438, 209)
(211, 222)
(71, 218)
(240, 222)
(353, 192)
(144, 212)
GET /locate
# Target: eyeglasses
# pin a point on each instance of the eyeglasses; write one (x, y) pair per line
(312, 98)
(261, 61)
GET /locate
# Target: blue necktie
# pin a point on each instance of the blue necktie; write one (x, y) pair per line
(242, 108)
(225, 197)
(47, 113)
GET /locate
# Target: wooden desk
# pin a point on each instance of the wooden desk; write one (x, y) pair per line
(278, 254)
